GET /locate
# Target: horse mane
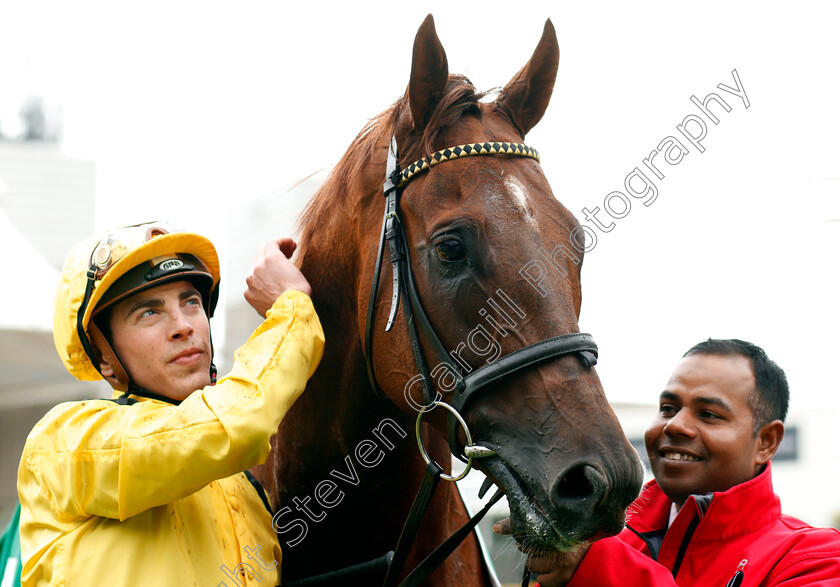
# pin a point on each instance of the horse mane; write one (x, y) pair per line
(459, 98)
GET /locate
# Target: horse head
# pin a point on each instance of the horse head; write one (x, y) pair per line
(496, 262)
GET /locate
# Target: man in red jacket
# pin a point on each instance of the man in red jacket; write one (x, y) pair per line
(710, 517)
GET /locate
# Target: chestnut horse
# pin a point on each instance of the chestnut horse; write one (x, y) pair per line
(344, 465)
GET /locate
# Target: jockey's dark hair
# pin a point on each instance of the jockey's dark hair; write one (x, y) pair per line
(769, 401)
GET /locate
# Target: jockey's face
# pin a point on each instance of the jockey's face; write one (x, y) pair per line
(162, 338)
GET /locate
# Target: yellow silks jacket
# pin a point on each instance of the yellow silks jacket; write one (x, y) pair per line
(154, 494)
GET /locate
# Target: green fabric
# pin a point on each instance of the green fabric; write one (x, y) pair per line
(10, 552)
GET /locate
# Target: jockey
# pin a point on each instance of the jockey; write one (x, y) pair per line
(151, 487)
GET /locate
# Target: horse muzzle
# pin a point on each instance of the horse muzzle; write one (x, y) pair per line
(584, 502)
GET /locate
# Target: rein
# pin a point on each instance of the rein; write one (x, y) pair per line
(463, 387)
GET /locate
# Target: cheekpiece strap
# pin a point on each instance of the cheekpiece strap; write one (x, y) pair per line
(392, 173)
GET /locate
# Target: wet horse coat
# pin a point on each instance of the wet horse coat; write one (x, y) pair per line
(344, 465)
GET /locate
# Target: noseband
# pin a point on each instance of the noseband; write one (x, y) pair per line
(463, 387)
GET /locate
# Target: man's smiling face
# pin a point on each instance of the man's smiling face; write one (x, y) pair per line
(702, 440)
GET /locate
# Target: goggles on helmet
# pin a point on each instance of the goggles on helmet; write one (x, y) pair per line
(116, 244)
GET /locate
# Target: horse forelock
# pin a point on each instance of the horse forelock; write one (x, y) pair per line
(459, 99)
(357, 174)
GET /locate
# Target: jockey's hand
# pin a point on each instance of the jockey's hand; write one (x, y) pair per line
(272, 274)
(554, 569)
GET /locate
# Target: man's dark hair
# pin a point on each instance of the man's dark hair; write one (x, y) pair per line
(769, 401)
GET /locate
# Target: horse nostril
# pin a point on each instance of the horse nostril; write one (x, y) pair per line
(577, 483)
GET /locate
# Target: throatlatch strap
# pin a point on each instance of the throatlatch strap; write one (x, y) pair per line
(369, 325)
(388, 222)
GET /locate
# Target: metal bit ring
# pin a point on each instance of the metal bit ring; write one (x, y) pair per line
(463, 424)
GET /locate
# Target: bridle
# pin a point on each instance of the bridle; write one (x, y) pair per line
(463, 387)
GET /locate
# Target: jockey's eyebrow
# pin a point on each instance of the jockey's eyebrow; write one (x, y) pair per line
(154, 302)
(144, 303)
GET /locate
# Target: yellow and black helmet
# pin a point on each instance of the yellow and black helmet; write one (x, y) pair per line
(99, 272)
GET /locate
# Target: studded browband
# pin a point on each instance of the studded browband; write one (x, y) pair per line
(468, 150)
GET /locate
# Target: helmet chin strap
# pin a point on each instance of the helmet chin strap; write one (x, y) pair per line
(213, 370)
(137, 390)
(134, 389)
(106, 353)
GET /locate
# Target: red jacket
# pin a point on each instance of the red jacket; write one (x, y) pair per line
(710, 540)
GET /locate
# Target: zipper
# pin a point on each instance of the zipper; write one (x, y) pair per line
(736, 579)
(686, 539)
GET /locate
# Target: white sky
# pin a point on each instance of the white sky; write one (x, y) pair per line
(189, 108)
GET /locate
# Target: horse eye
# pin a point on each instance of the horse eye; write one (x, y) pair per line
(450, 250)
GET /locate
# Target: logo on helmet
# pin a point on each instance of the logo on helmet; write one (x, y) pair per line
(171, 265)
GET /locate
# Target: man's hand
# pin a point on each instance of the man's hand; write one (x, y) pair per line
(554, 569)
(272, 274)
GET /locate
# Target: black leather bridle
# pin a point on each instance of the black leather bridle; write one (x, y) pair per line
(403, 287)
(464, 387)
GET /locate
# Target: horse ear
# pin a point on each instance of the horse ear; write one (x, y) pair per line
(429, 74)
(526, 96)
